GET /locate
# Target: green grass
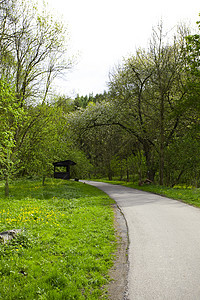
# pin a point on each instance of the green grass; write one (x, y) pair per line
(67, 246)
(189, 195)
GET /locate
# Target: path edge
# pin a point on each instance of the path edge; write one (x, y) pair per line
(118, 286)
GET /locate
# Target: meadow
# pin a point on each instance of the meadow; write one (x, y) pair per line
(67, 244)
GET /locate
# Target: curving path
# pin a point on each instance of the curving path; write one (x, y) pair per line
(164, 249)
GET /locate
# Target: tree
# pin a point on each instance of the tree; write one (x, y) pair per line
(147, 90)
(183, 159)
(37, 45)
(6, 18)
(193, 71)
(10, 117)
(33, 53)
(48, 140)
(168, 80)
(83, 101)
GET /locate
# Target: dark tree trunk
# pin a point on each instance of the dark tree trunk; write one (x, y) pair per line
(161, 167)
(127, 171)
(150, 168)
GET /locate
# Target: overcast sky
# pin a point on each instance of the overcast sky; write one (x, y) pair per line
(105, 31)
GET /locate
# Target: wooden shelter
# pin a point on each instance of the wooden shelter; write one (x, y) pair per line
(65, 163)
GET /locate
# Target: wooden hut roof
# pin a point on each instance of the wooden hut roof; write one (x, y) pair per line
(64, 163)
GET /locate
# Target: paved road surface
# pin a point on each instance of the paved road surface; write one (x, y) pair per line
(164, 250)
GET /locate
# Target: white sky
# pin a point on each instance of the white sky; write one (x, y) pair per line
(105, 31)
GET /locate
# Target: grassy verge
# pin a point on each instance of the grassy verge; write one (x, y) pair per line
(67, 245)
(188, 195)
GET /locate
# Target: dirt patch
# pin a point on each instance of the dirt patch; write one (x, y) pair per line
(117, 289)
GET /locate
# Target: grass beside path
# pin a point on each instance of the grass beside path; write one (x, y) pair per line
(67, 245)
(189, 195)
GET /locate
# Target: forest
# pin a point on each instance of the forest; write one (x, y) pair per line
(144, 127)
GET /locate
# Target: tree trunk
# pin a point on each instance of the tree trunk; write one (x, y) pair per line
(109, 172)
(43, 179)
(121, 170)
(161, 167)
(109, 176)
(150, 168)
(127, 172)
(178, 178)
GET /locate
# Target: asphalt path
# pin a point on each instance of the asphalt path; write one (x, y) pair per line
(164, 249)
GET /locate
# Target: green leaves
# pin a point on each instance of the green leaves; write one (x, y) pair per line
(11, 115)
